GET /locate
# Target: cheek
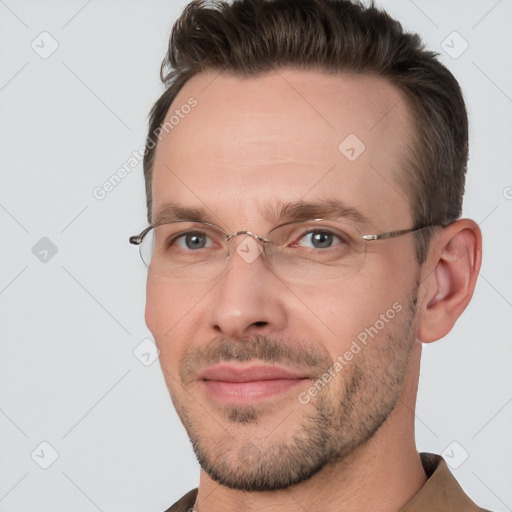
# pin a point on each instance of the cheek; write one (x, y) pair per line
(170, 314)
(333, 313)
(341, 312)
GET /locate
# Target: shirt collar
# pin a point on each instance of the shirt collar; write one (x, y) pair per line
(441, 492)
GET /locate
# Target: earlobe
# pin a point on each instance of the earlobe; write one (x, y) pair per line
(453, 265)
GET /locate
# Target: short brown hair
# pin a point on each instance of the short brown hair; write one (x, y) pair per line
(251, 37)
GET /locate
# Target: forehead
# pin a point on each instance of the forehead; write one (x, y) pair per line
(284, 136)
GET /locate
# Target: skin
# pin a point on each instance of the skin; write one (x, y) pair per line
(254, 142)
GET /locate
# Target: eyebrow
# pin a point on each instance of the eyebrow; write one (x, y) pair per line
(328, 209)
(171, 212)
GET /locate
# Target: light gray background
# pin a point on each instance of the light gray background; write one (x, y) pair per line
(70, 324)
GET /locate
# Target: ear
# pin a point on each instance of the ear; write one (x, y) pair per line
(448, 278)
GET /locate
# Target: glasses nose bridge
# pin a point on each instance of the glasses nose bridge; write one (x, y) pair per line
(265, 243)
(258, 238)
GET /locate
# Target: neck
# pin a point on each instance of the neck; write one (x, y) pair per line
(381, 475)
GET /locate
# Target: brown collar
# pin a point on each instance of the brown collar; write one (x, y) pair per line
(441, 492)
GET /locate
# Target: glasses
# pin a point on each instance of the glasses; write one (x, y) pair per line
(310, 250)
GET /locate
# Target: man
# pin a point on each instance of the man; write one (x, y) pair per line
(305, 171)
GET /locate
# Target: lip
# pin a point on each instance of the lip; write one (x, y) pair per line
(234, 384)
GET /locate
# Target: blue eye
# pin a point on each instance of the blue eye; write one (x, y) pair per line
(193, 240)
(319, 239)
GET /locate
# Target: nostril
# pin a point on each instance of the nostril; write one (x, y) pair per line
(260, 324)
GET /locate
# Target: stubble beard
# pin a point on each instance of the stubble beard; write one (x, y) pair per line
(332, 426)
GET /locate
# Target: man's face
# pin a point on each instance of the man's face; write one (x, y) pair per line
(241, 352)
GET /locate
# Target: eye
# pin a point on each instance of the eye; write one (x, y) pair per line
(193, 240)
(319, 239)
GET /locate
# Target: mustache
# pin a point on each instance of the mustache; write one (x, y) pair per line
(270, 349)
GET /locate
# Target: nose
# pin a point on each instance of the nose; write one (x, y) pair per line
(250, 299)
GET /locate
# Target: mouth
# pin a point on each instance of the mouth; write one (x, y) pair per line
(236, 384)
